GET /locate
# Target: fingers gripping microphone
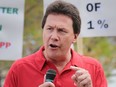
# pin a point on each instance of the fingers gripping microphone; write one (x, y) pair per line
(50, 75)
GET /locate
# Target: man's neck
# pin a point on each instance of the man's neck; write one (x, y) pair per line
(60, 64)
(60, 61)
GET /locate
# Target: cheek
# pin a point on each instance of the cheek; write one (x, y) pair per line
(68, 40)
(67, 43)
(45, 37)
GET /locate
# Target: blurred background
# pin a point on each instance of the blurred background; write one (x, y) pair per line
(101, 48)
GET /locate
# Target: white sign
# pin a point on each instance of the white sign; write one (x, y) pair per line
(98, 16)
(11, 29)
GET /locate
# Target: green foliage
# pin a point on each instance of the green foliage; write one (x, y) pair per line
(32, 27)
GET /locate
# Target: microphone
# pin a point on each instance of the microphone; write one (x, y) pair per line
(50, 75)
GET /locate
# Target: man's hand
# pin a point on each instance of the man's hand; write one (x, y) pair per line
(81, 77)
(47, 84)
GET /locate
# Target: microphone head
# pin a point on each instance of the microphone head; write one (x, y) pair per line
(50, 75)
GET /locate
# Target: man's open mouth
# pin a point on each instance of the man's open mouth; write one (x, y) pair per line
(53, 45)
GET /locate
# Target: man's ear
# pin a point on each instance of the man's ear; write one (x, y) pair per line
(75, 38)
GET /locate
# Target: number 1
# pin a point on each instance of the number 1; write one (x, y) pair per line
(90, 23)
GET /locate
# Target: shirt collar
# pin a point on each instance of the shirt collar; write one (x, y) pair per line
(76, 59)
(40, 60)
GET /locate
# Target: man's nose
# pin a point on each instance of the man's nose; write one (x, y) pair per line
(54, 35)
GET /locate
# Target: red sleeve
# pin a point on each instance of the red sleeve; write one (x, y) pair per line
(100, 80)
(96, 70)
(11, 79)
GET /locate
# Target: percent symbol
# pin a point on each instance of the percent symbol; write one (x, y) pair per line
(102, 23)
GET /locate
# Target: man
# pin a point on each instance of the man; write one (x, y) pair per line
(61, 27)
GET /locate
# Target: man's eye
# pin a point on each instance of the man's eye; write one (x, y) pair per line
(61, 30)
(49, 28)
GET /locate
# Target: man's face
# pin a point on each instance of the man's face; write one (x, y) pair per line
(58, 35)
